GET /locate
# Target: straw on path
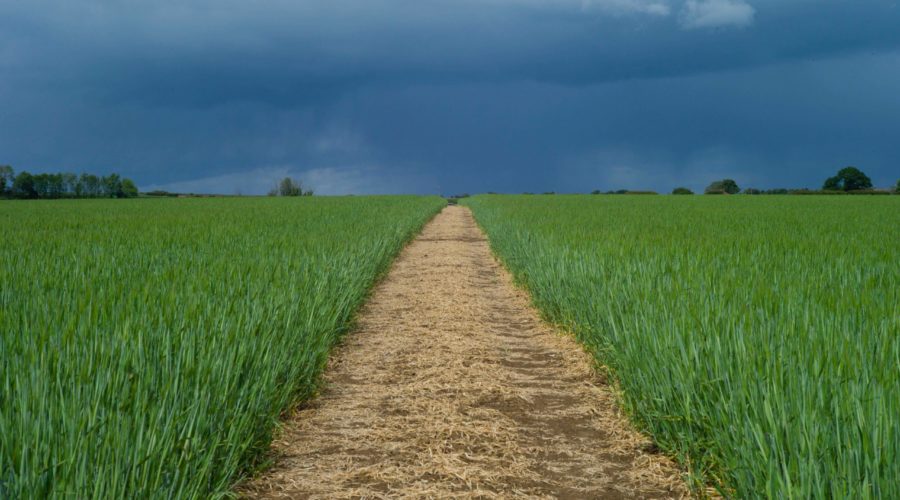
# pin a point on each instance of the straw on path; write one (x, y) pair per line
(452, 387)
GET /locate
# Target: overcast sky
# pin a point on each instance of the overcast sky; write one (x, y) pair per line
(425, 96)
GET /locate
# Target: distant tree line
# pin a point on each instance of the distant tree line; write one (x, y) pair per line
(290, 187)
(848, 180)
(25, 185)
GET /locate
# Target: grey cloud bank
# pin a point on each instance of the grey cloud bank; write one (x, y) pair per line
(439, 96)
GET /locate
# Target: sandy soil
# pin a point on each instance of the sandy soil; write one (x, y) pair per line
(451, 386)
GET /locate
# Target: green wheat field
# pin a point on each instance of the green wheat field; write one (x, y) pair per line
(149, 347)
(756, 338)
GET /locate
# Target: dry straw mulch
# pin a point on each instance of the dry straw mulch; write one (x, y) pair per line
(452, 387)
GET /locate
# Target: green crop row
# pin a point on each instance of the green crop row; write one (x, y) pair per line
(756, 339)
(148, 347)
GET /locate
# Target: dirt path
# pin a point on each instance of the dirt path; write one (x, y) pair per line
(451, 386)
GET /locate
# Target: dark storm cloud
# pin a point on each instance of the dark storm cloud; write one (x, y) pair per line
(389, 95)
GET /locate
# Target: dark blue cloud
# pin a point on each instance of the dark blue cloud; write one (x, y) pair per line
(505, 95)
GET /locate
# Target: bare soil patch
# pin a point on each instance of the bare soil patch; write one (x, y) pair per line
(452, 387)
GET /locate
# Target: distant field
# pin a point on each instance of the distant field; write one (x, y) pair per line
(758, 338)
(149, 346)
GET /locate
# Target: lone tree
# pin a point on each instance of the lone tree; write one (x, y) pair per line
(289, 187)
(682, 190)
(848, 179)
(897, 187)
(724, 186)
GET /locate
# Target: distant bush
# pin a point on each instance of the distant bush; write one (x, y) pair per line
(290, 187)
(682, 190)
(897, 187)
(159, 192)
(724, 186)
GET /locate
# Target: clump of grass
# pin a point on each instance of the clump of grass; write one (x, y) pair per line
(149, 347)
(758, 340)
